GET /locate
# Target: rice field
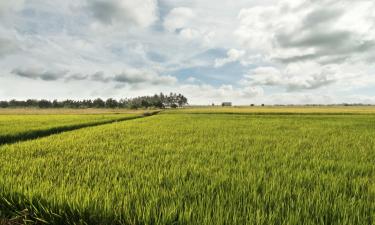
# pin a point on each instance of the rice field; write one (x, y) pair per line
(20, 127)
(68, 111)
(280, 110)
(196, 168)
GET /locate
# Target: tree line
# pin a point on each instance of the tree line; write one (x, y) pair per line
(161, 100)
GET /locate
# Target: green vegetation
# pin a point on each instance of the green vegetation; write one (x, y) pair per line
(281, 110)
(22, 127)
(70, 111)
(197, 169)
(155, 101)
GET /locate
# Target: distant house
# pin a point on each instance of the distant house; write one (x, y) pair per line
(226, 104)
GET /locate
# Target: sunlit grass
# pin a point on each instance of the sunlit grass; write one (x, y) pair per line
(198, 169)
(68, 111)
(19, 127)
(279, 110)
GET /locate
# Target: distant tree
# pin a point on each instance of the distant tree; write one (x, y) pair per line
(159, 104)
(98, 103)
(13, 103)
(157, 101)
(182, 100)
(111, 103)
(56, 104)
(162, 98)
(44, 104)
(4, 104)
(123, 103)
(69, 104)
(145, 103)
(31, 103)
(86, 104)
(135, 105)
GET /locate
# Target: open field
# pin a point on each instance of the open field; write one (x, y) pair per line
(21, 127)
(67, 111)
(280, 110)
(197, 169)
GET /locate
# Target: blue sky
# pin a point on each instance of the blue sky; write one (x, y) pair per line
(269, 51)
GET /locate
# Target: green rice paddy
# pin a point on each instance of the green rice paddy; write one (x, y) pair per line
(196, 168)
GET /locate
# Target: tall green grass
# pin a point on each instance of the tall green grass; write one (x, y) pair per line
(22, 127)
(279, 110)
(197, 169)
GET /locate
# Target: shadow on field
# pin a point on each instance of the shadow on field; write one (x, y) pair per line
(55, 130)
(16, 209)
(14, 221)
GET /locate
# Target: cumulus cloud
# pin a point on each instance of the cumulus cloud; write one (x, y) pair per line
(100, 77)
(7, 47)
(214, 52)
(133, 77)
(190, 33)
(129, 76)
(127, 12)
(138, 76)
(192, 80)
(232, 56)
(10, 6)
(293, 79)
(206, 94)
(185, 22)
(305, 43)
(267, 76)
(311, 30)
(76, 77)
(38, 73)
(178, 18)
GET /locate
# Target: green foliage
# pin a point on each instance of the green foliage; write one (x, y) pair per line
(197, 169)
(156, 101)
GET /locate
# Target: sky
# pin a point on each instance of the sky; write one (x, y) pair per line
(243, 51)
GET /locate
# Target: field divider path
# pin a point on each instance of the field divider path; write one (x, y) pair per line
(25, 136)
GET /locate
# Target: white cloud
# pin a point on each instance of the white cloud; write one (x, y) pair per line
(7, 7)
(127, 12)
(319, 50)
(232, 56)
(134, 76)
(306, 44)
(190, 33)
(40, 73)
(178, 18)
(128, 76)
(323, 31)
(7, 47)
(256, 27)
(293, 78)
(207, 94)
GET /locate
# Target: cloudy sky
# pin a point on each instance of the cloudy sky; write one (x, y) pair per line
(244, 51)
